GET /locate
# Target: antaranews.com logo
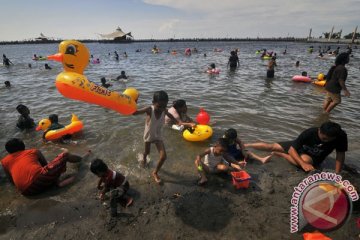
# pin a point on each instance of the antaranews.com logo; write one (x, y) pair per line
(322, 200)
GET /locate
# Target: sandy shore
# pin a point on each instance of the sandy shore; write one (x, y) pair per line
(178, 209)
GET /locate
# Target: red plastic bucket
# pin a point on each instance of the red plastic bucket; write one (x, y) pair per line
(240, 179)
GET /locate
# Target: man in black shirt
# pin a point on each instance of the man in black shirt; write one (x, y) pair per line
(311, 147)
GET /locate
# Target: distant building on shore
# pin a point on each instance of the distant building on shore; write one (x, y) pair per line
(43, 38)
(118, 35)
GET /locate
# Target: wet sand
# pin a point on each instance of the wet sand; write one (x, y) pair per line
(178, 209)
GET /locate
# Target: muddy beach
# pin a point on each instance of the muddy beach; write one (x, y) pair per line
(178, 209)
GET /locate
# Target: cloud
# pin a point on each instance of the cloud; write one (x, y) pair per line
(169, 26)
(239, 18)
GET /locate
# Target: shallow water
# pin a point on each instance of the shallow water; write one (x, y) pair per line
(259, 108)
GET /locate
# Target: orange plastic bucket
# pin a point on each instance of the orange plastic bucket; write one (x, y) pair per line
(315, 236)
(240, 179)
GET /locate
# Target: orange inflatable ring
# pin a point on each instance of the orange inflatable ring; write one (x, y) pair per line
(75, 126)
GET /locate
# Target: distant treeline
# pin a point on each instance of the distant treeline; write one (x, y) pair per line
(287, 39)
(280, 39)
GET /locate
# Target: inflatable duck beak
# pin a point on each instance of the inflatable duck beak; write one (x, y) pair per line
(56, 57)
(38, 128)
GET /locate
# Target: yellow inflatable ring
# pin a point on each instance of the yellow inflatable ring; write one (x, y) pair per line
(200, 133)
(320, 83)
(75, 126)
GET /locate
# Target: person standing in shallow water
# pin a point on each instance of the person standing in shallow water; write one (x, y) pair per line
(335, 82)
(6, 61)
(155, 119)
(233, 62)
(271, 68)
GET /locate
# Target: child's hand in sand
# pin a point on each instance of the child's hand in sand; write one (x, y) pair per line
(102, 196)
(65, 150)
(242, 164)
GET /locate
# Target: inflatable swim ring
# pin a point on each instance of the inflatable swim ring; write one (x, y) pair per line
(75, 126)
(266, 57)
(319, 83)
(321, 77)
(299, 78)
(155, 50)
(257, 52)
(72, 84)
(213, 71)
(199, 133)
(95, 61)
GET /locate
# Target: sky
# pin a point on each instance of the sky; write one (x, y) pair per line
(162, 19)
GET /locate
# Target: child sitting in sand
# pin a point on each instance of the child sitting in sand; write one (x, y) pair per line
(214, 161)
(113, 182)
(236, 149)
(24, 121)
(155, 119)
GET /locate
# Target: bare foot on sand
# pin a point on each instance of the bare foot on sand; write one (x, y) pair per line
(267, 158)
(202, 181)
(129, 202)
(143, 163)
(156, 178)
(66, 181)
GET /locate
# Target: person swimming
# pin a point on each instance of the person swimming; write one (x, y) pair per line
(104, 83)
(7, 84)
(121, 76)
(6, 61)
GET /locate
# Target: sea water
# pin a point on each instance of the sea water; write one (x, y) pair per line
(260, 109)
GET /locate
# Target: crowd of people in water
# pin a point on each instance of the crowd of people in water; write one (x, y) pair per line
(32, 174)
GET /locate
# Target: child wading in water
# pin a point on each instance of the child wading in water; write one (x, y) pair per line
(113, 182)
(214, 161)
(24, 121)
(155, 120)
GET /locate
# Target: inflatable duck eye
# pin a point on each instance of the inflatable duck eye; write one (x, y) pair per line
(71, 49)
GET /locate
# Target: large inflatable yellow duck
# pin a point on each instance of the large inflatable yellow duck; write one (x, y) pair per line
(75, 126)
(71, 83)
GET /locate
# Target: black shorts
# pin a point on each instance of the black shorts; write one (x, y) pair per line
(286, 146)
(270, 73)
